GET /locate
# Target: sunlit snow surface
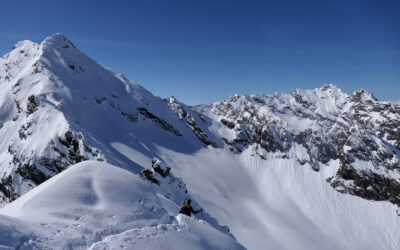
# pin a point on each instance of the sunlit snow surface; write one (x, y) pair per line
(99, 206)
(279, 204)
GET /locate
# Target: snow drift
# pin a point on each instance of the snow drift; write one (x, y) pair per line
(99, 206)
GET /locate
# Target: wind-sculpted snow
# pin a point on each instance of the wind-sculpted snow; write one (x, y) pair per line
(99, 206)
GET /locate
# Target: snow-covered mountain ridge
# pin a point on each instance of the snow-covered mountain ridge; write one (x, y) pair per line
(356, 135)
(267, 166)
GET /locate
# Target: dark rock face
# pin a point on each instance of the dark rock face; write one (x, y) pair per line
(157, 170)
(367, 184)
(164, 172)
(29, 171)
(358, 131)
(148, 175)
(229, 124)
(7, 188)
(162, 176)
(31, 105)
(68, 150)
(190, 121)
(252, 129)
(161, 123)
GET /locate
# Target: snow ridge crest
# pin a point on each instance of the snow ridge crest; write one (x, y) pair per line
(57, 40)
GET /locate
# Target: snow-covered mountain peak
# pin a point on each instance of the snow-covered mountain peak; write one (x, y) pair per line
(58, 108)
(27, 49)
(301, 105)
(58, 41)
(330, 87)
(172, 100)
(18, 61)
(56, 102)
(57, 68)
(24, 45)
(362, 95)
(325, 95)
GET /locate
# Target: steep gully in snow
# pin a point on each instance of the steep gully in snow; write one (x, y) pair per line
(281, 157)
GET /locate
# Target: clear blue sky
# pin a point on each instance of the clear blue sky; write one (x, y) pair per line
(204, 51)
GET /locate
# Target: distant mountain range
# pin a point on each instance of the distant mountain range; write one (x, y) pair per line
(396, 102)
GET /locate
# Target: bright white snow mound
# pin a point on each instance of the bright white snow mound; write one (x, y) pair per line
(99, 206)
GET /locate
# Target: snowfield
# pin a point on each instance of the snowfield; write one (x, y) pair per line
(99, 206)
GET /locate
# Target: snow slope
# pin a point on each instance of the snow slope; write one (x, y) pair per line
(279, 204)
(316, 127)
(99, 206)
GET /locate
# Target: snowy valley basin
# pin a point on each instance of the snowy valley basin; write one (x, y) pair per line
(92, 160)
